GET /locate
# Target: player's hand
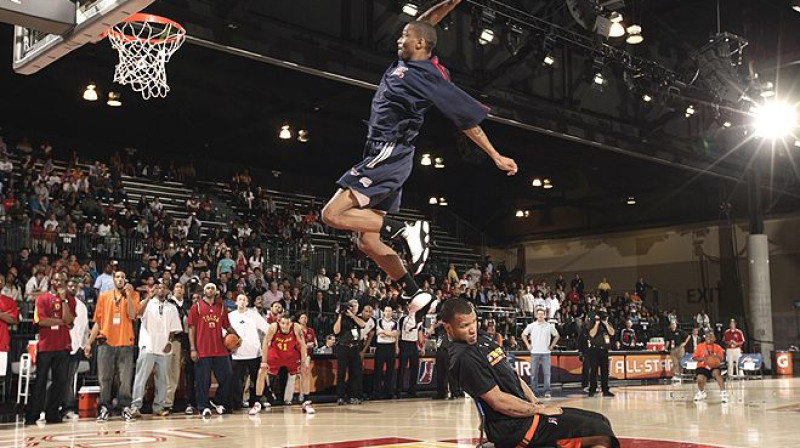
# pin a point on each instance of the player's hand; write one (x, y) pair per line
(506, 164)
(193, 355)
(551, 410)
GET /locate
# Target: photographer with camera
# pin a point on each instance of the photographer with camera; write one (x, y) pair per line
(348, 355)
(600, 336)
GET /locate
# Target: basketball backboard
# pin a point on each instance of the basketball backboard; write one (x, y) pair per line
(35, 49)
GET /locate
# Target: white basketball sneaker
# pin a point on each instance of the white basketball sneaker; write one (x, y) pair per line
(307, 409)
(418, 240)
(418, 306)
(700, 395)
(723, 395)
(255, 409)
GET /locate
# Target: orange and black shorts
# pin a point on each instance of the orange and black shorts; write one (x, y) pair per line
(567, 430)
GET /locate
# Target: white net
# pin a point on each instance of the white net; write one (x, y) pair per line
(144, 49)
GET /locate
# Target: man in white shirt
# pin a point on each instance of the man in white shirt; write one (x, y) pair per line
(160, 323)
(78, 333)
(385, 351)
(37, 284)
(526, 302)
(247, 358)
(540, 337)
(321, 282)
(553, 305)
(539, 302)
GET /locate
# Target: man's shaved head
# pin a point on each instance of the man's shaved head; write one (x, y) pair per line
(426, 31)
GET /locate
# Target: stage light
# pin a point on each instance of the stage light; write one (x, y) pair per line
(426, 160)
(433, 201)
(519, 214)
(285, 133)
(443, 202)
(616, 30)
(302, 136)
(537, 182)
(689, 111)
(775, 119)
(631, 200)
(599, 79)
(90, 94)
(411, 9)
(114, 99)
(795, 4)
(549, 59)
(546, 184)
(486, 37)
(634, 35)
(438, 163)
(647, 98)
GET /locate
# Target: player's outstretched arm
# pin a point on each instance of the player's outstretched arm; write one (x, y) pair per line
(506, 164)
(438, 11)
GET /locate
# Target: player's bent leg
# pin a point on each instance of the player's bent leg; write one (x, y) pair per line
(343, 211)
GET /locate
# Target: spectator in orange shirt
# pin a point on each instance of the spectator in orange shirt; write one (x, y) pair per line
(114, 315)
(704, 373)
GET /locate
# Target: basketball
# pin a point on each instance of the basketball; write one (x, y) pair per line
(712, 361)
(231, 342)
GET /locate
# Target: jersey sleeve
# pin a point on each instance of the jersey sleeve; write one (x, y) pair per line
(474, 376)
(194, 315)
(464, 111)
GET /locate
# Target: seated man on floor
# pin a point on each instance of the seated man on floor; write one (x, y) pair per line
(513, 417)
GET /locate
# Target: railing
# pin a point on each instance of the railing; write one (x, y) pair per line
(462, 230)
(15, 236)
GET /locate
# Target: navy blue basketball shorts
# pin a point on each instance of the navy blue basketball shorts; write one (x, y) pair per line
(377, 181)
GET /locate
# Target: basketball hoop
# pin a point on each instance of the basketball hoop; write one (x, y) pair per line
(145, 43)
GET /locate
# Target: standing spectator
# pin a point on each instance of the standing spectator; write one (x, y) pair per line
(385, 351)
(105, 281)
(693, 340)
(601, 333)
(676, 344)
(273, 295)
(526, 302)
(553, 305)
(53, 315)
(114, 315)
(310, 339)
(702, 319)
(160, 323)
(207, 319)
(604, 289)
(577, 284)
(77, 334)
(9, 315)
(180, 351)
(410, 348)
(540, 337)
(733, 338)
(641, 288)
(346, 328)
(247, 357)
(36, 286)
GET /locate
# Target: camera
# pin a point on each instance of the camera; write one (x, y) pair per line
(603, 315)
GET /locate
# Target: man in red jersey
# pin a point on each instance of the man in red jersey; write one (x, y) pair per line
(53, 314)
(284, 347)
(734, 341)
(310, 338)
(207, 318)
(9, 315)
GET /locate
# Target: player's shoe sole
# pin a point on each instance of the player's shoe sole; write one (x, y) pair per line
(418, 240)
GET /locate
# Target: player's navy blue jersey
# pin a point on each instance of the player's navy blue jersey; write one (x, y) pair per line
(407, 90)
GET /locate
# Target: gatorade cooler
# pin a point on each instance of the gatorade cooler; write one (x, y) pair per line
(782, 363)
(87, 400)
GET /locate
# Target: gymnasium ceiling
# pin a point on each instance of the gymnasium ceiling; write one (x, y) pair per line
(229, 108)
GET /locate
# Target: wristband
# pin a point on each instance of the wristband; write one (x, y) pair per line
(193, 350)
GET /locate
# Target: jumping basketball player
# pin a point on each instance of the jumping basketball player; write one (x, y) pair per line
(284, 347)
(512, 416)
(373, 187)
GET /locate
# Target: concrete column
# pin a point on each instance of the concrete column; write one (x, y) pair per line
(760, 297)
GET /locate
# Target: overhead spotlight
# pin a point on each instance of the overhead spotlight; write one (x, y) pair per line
(616, 29)
(727, 124)
(302, 136)
(527, 213)
(433, 200)
(519, 214)
(775, 119)
(285, 133)
(546, 184)
(486, 37)
(767, 90)
(549, 59)
(411, 9)
(795, 4)
(537, 182)
(114, 99)
(90, 94)
(599, 79)
(443, 202)
(689, 111)
(426, 160)
(647, 98)
(634, 35)
(438, 163)
(631, 200)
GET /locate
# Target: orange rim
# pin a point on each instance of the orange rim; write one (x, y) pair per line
(144, 18)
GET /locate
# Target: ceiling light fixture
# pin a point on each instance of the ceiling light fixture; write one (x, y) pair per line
(443, 202)
(689, 111)
(486, 37)
(727, 124)
(631, 200)
(549, 59)
(795, 4)
(302, 136)
(599, 79)
(90, 94)
(616, 29)
(775, 119)
(537, 182)
(433, 201)
(546, 184)
(411, 9)
(634, 35)
(426, 160)
(438, 163)
(647, 98)
(285, 133)
(114, 99)
(519, 214)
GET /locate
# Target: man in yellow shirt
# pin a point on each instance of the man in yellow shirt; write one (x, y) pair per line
(113, 330)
